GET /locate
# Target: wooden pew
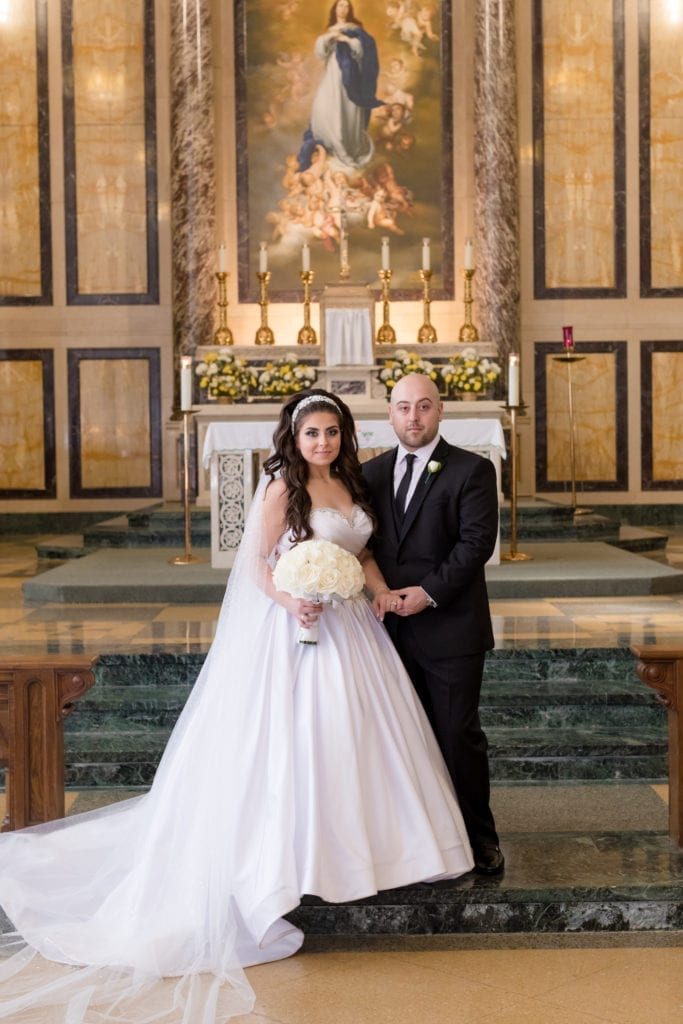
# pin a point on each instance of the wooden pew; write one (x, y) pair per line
(661, 667)
(36, 695)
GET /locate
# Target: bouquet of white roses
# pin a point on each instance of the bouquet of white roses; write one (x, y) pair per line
(319, 571)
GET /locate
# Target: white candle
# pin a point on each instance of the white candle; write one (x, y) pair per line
(513, 380)
(222, 258)
(468, 254)
(263, 258)
(426, 255)
(385, 253)
(185, 383)
(305, 257)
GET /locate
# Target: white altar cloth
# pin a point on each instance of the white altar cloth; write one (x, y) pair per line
(233, 435)
(348, 338)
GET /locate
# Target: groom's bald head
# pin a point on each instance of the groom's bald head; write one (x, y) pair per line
(415, 410)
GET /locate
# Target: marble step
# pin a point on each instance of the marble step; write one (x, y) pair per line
(529, 665)
(560, 705)
(473, 906)
(550, 714)
(158, 531)
(585, 528)
(571, 663)
(128, 756)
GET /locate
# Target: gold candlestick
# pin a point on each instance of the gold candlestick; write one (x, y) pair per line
(569, 358)
(223, 334)
(468, 332)
(426, 334)
(188, 557)
(386, 335)
(307, 335)
(264, 335)
(513, 555)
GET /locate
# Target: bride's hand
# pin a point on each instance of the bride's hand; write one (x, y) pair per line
(386, 601)
(307, 612)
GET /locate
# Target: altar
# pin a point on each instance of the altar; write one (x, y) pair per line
(232, 440)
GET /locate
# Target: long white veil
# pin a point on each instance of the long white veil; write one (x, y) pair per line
(155, 904)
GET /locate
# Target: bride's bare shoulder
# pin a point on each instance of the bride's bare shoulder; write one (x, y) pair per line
(275, 491)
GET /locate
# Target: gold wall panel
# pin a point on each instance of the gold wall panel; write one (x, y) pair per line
(115, 435)
(579, 206)
(578, 144)
(110, 152)
(22, 426)
(20, 173)
(666, 144)
(667, 422)
(595, 418)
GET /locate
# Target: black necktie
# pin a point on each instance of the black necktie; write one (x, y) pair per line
(402, 490)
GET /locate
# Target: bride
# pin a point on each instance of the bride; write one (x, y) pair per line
(293, 769)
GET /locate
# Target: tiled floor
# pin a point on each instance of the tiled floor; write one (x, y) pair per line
(520, 986)
(635, 980)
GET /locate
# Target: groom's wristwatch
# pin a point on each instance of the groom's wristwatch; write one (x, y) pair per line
(431, 603)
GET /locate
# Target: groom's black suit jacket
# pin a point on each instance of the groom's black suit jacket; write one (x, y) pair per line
(448, 534)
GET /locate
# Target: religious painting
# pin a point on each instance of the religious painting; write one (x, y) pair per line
(344, 139)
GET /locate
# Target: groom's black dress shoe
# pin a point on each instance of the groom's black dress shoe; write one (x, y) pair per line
(489, 860)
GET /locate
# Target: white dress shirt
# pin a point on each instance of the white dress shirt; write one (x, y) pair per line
(423, 455)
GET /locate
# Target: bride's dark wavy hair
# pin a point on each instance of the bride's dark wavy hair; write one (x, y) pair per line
(293, 468)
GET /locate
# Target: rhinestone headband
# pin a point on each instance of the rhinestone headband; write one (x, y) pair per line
(310, 400)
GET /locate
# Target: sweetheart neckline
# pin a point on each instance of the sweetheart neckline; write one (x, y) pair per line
(328, 508)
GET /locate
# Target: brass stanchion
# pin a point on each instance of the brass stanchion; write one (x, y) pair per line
(307, 335)
(570, 357)
(188, 557)
(513, 555)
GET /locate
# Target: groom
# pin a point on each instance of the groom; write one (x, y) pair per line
(437, 508)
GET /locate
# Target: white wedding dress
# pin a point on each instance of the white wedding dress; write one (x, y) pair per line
(293, 769)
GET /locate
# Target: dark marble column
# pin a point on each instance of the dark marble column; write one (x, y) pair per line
(193, 188)
(496, 174)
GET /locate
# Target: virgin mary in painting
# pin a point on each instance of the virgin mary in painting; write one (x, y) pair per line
(345, 96)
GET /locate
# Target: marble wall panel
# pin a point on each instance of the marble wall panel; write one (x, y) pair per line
(579, 175)
(112, 223)
(662, 379)
(24, 158)
(661, 122)
(115, 435)
(110, 151)
(108, 44)
(599, 415)
(27, 441)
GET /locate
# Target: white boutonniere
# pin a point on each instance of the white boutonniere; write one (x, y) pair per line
(433, 468)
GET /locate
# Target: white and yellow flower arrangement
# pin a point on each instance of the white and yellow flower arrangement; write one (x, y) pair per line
(285, 376)
(468, 373)
(223, 375)
(402, 364)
